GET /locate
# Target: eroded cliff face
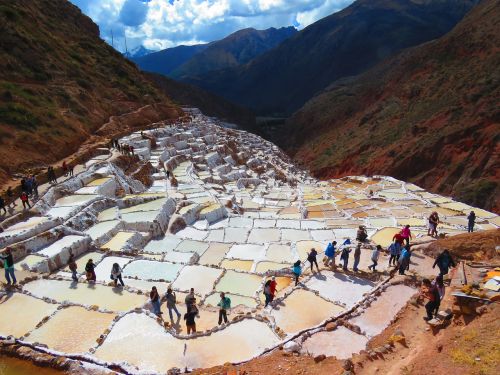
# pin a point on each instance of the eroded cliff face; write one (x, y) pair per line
(429, 116)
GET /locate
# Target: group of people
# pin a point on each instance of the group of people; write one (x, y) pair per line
(433, 222)
(124, 149)
(67, 169)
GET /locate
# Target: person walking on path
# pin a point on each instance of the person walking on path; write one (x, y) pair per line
(10, 197)
(72, 267)
(394, 251)
(25, 200)
(311, 258)
(297, 270)
(472, 220)
(267, 292)
(190, 299)
(34, 185)
(2, 205)
(272, 287)
(433, 223)
(8, 264)
(224, 305)
(430, 292)
(404, 260)
(375, 255)
(189, 317)
(329, 259)
(171, 301)
(444, 261)
(439, 284)
(357, 257)
(71, 169)
(116, 274)
(90, 271)
(65, 168)
(155, 301)
(406, 234)
(344, 256)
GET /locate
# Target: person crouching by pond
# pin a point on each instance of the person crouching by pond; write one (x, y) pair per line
(90, 271)
(116, 274)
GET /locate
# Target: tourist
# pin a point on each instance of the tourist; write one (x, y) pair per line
(404, 260)
(168, 174)
(344, 256)
(439, 284)
(357, 257)
(361, 234)
(329, 259)
(431, 293)
(72, 267)
(189, 317)
(10, 197)
(65, 168)
(155, 301)
(272, 287)
(399, 239)
(267, 292)
(25, 200)
(24, 187)
(90, 271)
(116, 274)
(394, 251)
(8, 264)
(34, 185)
(433, 223)
(171, 301)
(224, 305)
(71, 168)
(297, 270)
(406, 234)
(2, 205)
(190, 298)
(472, 220)
(375, 255)
(444, 261)
(311, 258)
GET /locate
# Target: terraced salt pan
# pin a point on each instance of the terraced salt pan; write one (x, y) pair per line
(201, 278)
(65, 332)
(109, 214)
(152, 270)
(263, 267)
(303, 309)
(244, 284)
(235, 235)
(192, 234)
(214, 298)
(263, 236)
(113, 299)
(135, 331)
(279, 254)
(191, 246)
(101, 229)
(214, 254)
(21, 313)
(246, 252)
(179, 257)
(294, 235)
(75, 200)
(82, 261)
(29, 261)
(378, 316)
(103, 269)
(99, 181)
(153, 205)
(25, 226)
(341, 288)
(304, 247)
(164, 245)
(341, 343)
(384, 236)
(118, 242)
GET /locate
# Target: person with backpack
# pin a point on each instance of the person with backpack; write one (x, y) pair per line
(224, 305)
(329, 259)
(311, 258)
(90, 271)
(431, 293)
(25, 200)
(374, 258)
(155, 301)
(444, 261)
(72, 267)
(394, 251)
(471, 221)
(190, 317)
(116, 274)
(171, 301)
(8, 264)
(297, 270)
(357, 257)
(344, 256)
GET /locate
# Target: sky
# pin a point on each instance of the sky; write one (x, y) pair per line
(160, 24)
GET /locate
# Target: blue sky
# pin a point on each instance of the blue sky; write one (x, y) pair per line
(159, 24)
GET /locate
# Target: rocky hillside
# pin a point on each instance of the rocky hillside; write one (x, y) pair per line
(343, 44)
(167, 60)
(236, 49)
(59, 82)
(429, 115)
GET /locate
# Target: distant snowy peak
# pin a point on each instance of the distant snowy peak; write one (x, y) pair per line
(137, 52)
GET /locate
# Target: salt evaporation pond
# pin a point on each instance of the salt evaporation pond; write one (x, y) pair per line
(152, 270)
(201, 278)
(341, 343)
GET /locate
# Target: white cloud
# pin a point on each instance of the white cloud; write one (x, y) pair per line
(159, 24)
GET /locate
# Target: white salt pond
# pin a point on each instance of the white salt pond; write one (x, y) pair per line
(152, 270)
(201, 278)
(341, 343)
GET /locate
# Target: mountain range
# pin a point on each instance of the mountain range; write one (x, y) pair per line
(429, 115)
(345, 43)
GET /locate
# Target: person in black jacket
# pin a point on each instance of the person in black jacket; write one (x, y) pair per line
(189, 317)
(444, 261)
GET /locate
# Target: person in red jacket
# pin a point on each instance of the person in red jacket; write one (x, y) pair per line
(25, 199)
(272, 287)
